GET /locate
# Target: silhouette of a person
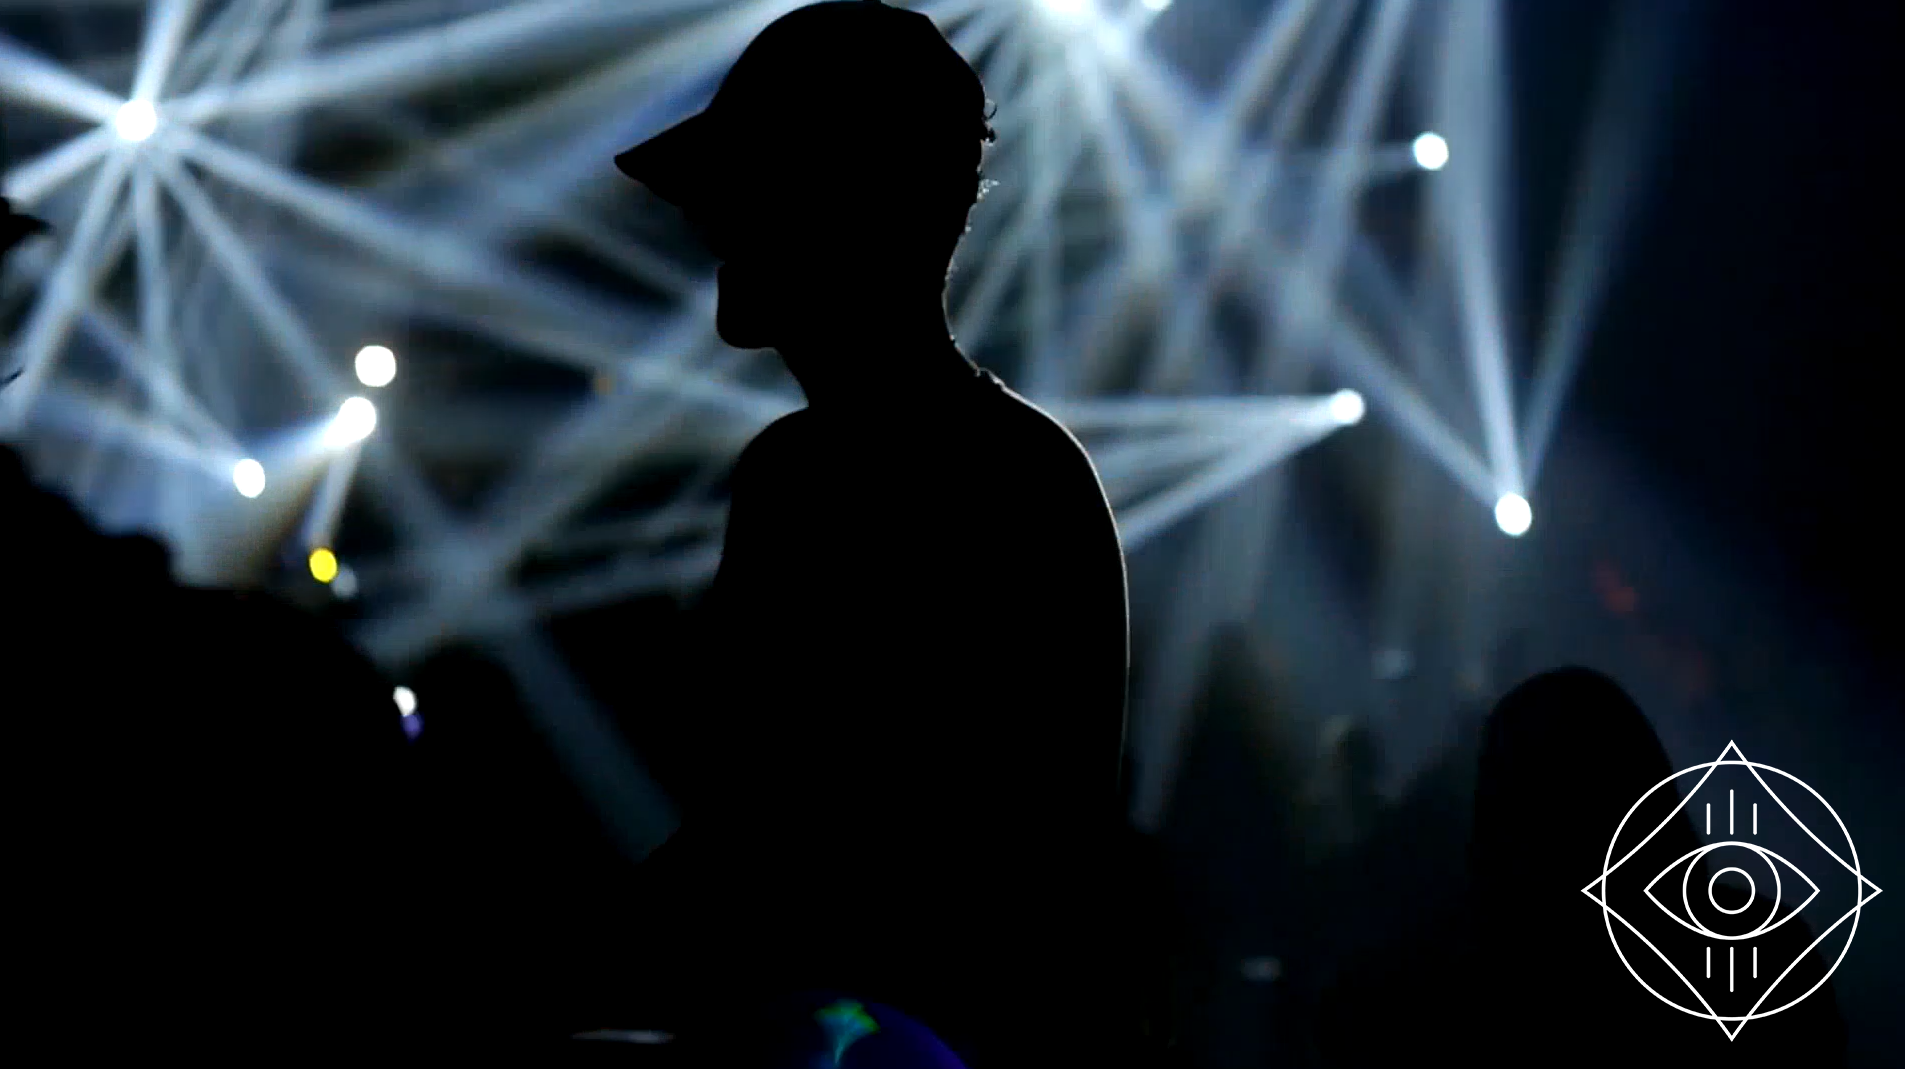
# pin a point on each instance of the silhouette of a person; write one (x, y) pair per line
(206, 793)
(1564, 757)
(913, 720)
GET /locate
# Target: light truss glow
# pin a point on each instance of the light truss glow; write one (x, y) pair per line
(354, 422)
(323, 565)
(1513, 515)
(135, 120)
(376, 366)
(406, 700)
(1431, 152)
(1347, 407)
(249, 477)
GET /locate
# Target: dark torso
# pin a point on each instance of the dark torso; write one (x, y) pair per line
(914, 713)
(925, 610)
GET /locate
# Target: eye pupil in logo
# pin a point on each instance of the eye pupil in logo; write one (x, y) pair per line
(1713, 884)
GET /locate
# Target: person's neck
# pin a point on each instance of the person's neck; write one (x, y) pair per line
(877, 363)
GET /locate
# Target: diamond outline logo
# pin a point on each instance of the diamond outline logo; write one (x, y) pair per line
(1731, 1027)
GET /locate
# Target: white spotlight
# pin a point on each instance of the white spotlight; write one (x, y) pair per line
(1431, 152)
(354, 421)
(249, 477)
(1513, 515)
(406, 700)
(1346, 407)
(136, 120)
(1157, 5)
(376, 366)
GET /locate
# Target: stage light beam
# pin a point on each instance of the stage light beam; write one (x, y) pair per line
(1069, 9)
(248, 476)
(135, 120)
(376, 366)
(354, 422)
(406, 700)
(1431, 152)
(1513, 515)
(1347, 407)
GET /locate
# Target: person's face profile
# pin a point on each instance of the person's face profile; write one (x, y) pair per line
(804, 209)
(778, 226)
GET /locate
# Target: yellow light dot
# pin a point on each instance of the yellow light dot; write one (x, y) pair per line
(323, 565)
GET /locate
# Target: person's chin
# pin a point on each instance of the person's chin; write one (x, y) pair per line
(739, 330)
(737, 316)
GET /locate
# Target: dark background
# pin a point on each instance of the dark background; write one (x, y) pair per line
(1742, 353)
(1739, 396)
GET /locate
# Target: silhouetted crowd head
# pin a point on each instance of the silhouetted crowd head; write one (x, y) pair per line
(840, 156)
(209, 797)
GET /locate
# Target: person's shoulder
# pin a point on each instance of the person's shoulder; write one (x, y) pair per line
(1022, 421)
(1038, 442)
(272, 636)
(256, 612)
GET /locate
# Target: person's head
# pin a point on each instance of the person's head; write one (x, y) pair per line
(1565, 756)
(835, 169)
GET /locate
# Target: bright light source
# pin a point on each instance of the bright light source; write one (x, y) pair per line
(1431, 152)
(323, 565)
(1157, 5)
(136, 120)
(1513, 515)
(406, 700)
(355, 419)
(249, 477)
(376, 365)
(1346, 407)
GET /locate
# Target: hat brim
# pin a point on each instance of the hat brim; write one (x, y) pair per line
(17, 226)
(676, 164)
